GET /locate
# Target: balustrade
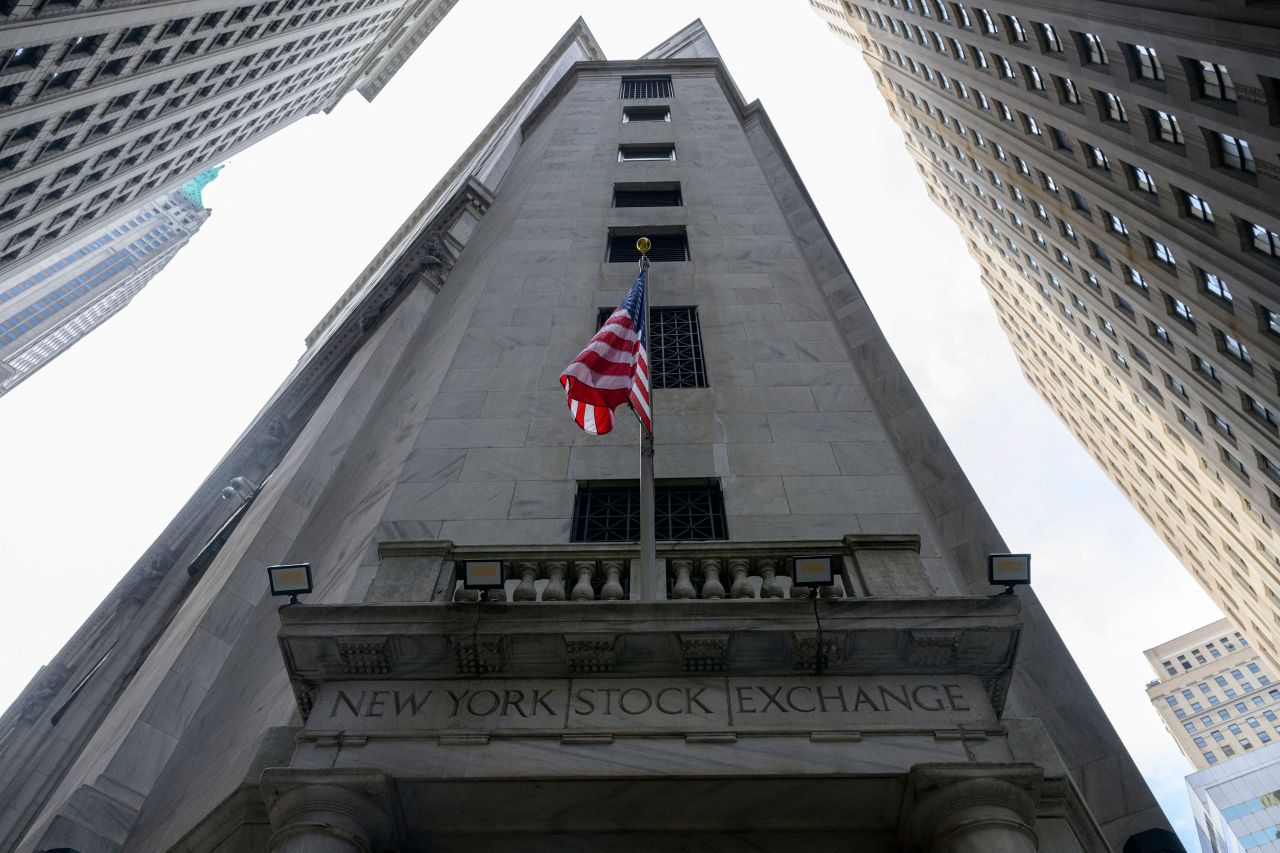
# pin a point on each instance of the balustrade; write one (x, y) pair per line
(688, 571)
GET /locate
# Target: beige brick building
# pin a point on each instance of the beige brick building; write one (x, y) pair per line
(1115, 171)
(1215, 694)
(107, 104)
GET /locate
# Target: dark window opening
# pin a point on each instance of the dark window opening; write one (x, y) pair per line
(683, 512)
(630, 114)
(666, 247)
(647, 195)
(645, 87)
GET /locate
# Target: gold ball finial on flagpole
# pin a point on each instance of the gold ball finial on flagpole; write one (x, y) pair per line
(643, 245)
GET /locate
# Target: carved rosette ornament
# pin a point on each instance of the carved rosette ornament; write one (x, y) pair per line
(590, 652)
(365, 657)
(705, 652)
(474, 655)
(804, 649)
(933, 648)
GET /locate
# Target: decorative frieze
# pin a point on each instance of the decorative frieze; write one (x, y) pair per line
(475, 655)
(365, 657)
(704, 652)
(590, 652)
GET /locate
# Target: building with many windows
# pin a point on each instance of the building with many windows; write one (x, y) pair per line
(1115, 172)
(422, 447)
(49, 305)
(1215, 694)
(106, 105)
(1237, 803)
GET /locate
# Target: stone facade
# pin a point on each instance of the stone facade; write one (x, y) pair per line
(586, 705)
(1089, 155)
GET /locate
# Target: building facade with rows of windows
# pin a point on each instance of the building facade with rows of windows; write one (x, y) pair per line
(423, 444)
(49, 305)
(1115, 171)
(105, 105)
(1215, 694)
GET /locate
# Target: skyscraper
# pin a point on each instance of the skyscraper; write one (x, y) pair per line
(103, 107)
(423, 443)
(51, 304)
(1113, 170)
(1216, 696)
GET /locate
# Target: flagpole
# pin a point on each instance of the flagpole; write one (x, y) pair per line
(648, 538)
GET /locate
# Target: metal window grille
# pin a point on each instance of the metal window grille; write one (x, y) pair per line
(675, 347)
(640, 195)
(682, 513)
(666, 247)
(645, 87)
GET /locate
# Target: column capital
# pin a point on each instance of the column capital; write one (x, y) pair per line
(339, 809)
(951, 808)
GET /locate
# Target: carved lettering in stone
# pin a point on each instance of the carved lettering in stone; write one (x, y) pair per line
(652, 705)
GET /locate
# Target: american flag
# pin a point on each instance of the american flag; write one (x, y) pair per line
(613, 369)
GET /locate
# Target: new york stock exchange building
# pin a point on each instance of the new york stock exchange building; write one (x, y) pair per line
(712, 703)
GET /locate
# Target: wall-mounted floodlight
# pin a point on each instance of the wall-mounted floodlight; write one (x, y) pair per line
(813, 572)
(482, 575)
(292, 580)
(1008, 570)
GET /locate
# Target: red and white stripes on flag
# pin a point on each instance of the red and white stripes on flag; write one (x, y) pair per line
(613, 369)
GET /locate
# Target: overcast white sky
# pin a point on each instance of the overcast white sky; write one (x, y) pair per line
(103, 446)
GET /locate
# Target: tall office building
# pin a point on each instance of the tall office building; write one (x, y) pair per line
(53, 303)
(1237, 803)
(104, 105)
(1115, 172)
(1215, 694)
(423, 440)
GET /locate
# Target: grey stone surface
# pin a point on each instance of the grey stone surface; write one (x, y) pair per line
(812, 434)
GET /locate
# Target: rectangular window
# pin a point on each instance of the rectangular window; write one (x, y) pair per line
(665, 194)
(1112, 107)
(1146, 65)
(1142, 180)
(630, 153)
(665, 247)
(1264, 240)
(1165, 127)
(1092, 49)
(683, 512)
(645, 87)
(1233, 152)
(1214, 81)
(1197, 208)
(1216, 286)
(630, 114)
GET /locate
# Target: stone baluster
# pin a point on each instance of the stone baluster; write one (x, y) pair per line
(770, 587)
(526, 591)
(711, 586)
(612, 589)
(582, 590)
(741, 587)
(554, 590)
(684, 586)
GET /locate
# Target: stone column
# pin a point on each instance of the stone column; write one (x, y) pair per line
(972, 808)
(329, 811)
